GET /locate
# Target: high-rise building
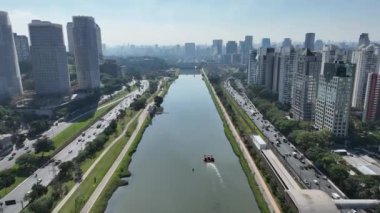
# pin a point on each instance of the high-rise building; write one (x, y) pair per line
(70, 37)
(309, 41)
(22, 47)
(367, 60)
(190, 51)
(288, 60)
(99, 44)
(248, 43)
(231, 47)
(372, 98)
(276, 72)
(265, 43)
(265, 67)
(363, 39)
(246, 47)
(10, 79)
(332, 110)
(287, 42)
(86, 52)
(318, 45)
(217, 47)
(304, 85)
(49, 58)
(252, 67)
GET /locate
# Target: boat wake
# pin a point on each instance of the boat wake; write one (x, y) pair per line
(213, 167)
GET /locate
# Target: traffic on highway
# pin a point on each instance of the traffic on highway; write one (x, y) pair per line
(307, 174)
(46, 174)
(9, 161)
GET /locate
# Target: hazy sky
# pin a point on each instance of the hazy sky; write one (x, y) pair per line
(200, 21)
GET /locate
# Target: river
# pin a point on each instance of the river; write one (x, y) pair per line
(162, 178)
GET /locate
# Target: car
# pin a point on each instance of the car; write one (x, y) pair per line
(70, 151)
(39, 180)
(317, 175)
(316, 182)
(10, 158)
(57, 162)
(324, 177)
(26, 148)
(13, 154)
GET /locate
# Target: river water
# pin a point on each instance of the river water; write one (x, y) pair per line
(162, 179)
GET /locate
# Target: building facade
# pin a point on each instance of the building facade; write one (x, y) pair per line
(190, 51)
(231, 47)
(265, 43)
(86, 52)
(252, 66)
(367, 60)
(364, 39)
(22, 47)
(49, 58)
(333, 105)
(288, 60)
(70, 37)
(304, 85)
(372, 98)
(309, 41)
(99, 44)
(10, 79)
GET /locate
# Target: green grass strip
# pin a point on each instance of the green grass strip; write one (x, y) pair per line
(261, 203)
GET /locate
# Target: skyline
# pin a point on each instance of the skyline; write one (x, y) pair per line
(176, 22)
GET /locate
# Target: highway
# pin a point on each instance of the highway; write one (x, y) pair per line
(300, 167)
(8, 162)
(46, 174)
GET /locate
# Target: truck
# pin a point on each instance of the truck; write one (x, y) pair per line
(294, 154)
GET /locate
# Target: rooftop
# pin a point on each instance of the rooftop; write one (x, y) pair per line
(312, 200)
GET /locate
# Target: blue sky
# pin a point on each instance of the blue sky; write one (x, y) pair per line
(200, 21)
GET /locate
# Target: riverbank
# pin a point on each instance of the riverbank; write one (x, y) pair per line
(238, 146)
(119, 170)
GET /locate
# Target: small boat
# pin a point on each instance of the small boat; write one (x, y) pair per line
(208, 159)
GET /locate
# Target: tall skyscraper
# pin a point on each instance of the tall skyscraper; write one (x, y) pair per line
(367, 60)
(363, 39)
(231, 47)
(86, 52)
(190, 51)
(246, 48)
(99, 44)
(10, 79)
(287, 42)
(332, 110)
(309, 41)
(70, 37)
(372, 98)
(265, 43)
(264, 72)
(252, 66)
(288, 60)
(304, 85)
(49, 58)
(22, 47)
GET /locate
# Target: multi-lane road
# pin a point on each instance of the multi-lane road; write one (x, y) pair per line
(303, 170)
(9, 161)
(46, 174)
